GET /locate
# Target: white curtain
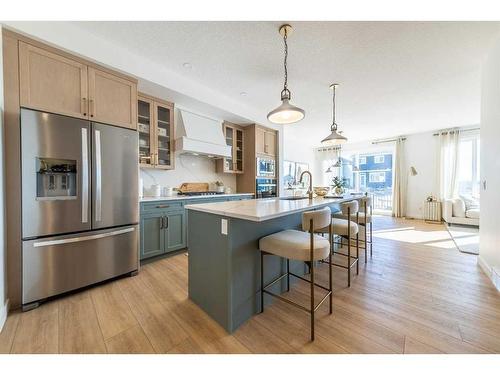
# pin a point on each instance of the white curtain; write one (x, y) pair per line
(448, 163)
(324, 157)
(399, 194)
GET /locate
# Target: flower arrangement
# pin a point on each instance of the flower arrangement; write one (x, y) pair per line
(338, 182)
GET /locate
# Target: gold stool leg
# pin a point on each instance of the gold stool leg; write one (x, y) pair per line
(311, 259)
(348, 246)
(330, 283)
(287, 275)
(261, 282)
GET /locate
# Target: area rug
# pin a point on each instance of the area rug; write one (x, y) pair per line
(466, 238)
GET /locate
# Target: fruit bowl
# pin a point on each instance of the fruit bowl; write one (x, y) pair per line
(321, 191)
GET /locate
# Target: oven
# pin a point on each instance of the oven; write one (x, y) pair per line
(266, 188)
(266, 167)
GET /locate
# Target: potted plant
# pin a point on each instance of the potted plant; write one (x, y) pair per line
(339, 184)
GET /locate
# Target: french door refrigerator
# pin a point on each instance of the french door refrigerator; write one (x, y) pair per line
(80, 206)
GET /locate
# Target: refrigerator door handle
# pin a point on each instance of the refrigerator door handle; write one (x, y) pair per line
(85, 176)
(84, 238)
(98, 177)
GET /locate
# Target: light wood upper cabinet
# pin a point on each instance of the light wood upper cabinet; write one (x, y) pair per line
(270, 143)
(156, 133)
(260, 140)
(112, 99)
(57, 83)
(51, 82)
(234, 135)
(265, 141)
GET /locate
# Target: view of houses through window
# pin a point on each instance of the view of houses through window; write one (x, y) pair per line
(369, 172)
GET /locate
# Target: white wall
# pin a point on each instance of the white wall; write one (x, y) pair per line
(421, 152)
(489, 250)
(3, 273)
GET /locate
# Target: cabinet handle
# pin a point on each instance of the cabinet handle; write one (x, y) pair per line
(161, 223)
(265, 149)
(163, 206)
(84, 106)
(166, 222)
(91, 107)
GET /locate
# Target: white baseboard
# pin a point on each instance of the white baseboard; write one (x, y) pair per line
(492, 273)
(3, 314)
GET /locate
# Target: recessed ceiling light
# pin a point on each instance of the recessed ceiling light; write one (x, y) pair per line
(187, 65)
(243, 93)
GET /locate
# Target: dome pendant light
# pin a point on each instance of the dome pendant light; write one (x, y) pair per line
(335, 138)
(286, 113)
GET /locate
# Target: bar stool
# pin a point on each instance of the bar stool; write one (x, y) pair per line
(303, 246)
(364, 219)
(346, 229)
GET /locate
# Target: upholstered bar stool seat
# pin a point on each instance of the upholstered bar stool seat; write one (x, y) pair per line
(296, 245)
(340, 227)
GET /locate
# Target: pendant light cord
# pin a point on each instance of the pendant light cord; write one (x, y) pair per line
(285, 61)
(334, 124)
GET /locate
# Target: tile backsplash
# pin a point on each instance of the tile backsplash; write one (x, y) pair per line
(188, 168)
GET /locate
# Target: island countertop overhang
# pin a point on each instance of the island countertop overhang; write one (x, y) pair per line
(259, 210)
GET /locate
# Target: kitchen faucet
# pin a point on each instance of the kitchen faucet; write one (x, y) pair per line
(310, 191)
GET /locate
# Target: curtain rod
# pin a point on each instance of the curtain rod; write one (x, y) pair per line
(452, 131)
(388, 140)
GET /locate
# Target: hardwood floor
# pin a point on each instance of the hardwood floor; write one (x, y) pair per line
(418, 294)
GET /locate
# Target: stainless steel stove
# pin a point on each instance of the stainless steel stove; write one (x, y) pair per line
(197, 193)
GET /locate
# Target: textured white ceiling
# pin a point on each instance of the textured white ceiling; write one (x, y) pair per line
(396, 77)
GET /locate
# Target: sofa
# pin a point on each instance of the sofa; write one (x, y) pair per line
(461, 211)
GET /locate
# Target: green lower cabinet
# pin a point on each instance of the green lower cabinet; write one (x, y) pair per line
(164, 224)
(162, 232)
(152, 235)
(175, 232)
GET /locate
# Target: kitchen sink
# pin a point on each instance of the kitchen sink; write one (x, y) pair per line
(292, 198)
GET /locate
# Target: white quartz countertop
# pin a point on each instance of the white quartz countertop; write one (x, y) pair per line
(184, 197)
(265, 209)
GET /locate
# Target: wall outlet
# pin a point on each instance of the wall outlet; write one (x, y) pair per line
(223, 226)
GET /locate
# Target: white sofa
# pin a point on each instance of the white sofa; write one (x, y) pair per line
(455, 212)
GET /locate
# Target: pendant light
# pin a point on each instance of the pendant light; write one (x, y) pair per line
(335, 138)
(286, 113)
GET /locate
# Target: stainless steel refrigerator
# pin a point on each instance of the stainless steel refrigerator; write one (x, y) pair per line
(80, 204)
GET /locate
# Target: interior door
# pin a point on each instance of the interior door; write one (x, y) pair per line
(115, 176)
(55, 160)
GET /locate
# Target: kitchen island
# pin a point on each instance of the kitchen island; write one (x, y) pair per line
(224, 260)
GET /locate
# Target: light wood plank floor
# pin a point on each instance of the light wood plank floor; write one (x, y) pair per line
(418, 294)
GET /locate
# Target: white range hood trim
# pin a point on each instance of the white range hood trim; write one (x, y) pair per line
(201, 135)
(194, 146)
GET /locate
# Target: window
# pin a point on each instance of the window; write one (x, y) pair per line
(362, 178)
(369, 170)
(377, 177)
(468, 166)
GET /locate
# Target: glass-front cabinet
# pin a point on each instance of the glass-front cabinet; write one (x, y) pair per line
(156, 133)
(234, 139)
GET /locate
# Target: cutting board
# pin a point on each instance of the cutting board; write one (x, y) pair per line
(187, 187)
